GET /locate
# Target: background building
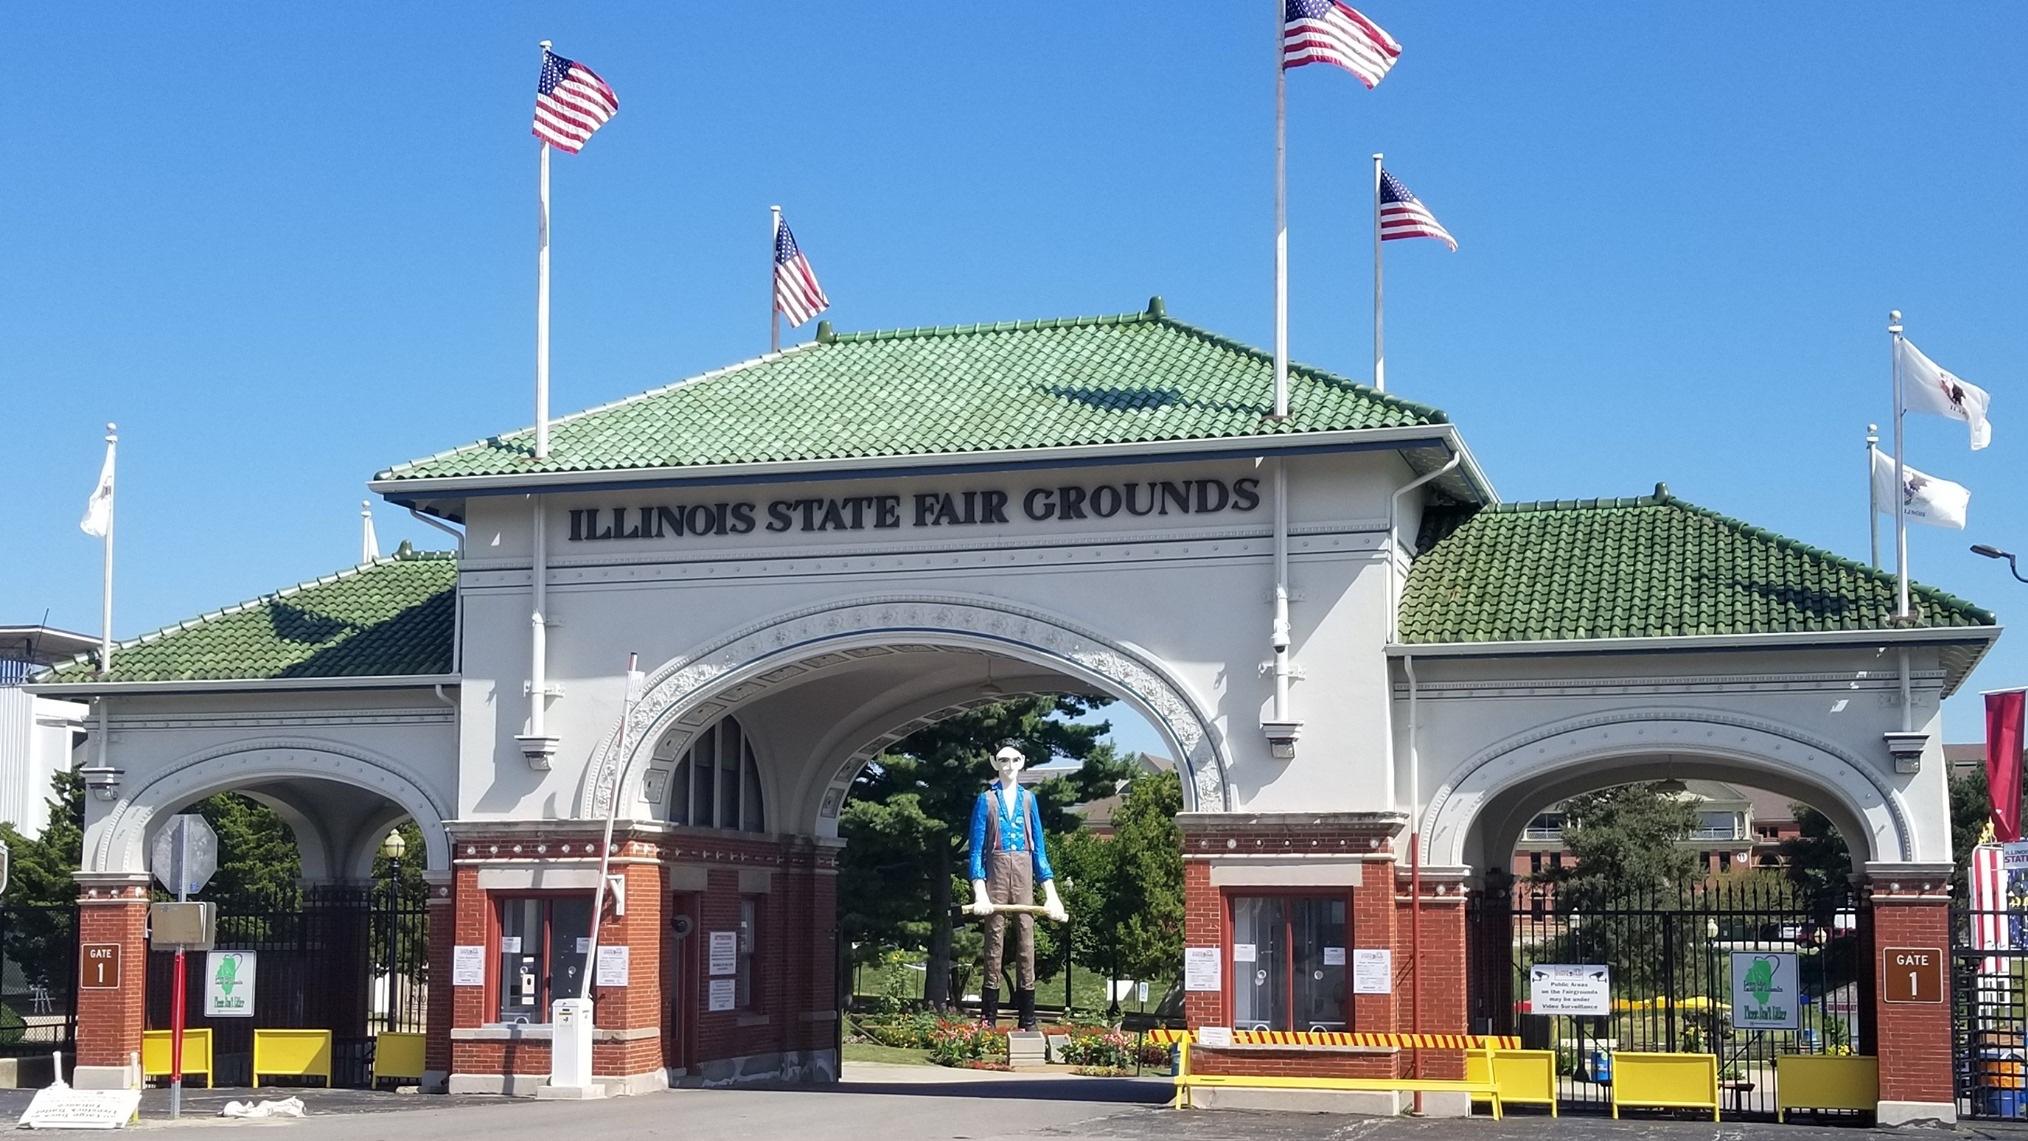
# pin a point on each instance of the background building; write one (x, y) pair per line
(37, 734)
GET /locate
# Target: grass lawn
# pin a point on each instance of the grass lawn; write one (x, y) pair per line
(875, 1052)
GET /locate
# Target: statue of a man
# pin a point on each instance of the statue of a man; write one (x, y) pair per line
(1007, 860)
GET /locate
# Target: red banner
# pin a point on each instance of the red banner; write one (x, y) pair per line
(2003, 761)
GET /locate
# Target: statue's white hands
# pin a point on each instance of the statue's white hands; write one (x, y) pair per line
(980, 905)
(1052, 903)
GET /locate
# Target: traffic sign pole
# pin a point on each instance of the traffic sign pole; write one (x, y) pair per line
(184, 859)
(176, 995)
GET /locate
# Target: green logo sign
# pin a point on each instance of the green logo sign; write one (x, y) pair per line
(1764, 990)
(229, 984)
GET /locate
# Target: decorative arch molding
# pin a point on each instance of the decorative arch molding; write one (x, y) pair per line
(1545, 752)
(691, 692)
(222, 768)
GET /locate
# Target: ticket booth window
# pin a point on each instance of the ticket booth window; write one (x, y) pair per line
(541, 949)
(1288, 956)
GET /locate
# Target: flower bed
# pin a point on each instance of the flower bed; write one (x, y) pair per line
(1105, 1050)
(969, 1045)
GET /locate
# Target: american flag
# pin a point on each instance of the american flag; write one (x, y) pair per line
(797, 293)
(1988, 883)
(1325, 31)
(571, 102)
(1402, 215)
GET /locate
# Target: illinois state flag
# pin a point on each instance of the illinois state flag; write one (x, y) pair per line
(98, 516)
(1927, 386)
(1924, 498)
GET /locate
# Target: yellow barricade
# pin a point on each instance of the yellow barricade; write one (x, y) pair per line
(1666, 1081)
(1350, 1038)
(1824, 1081)
(1477, 1087)
(155, 1046)
(397, 1055)
(1523, 1077)
(292, 1054)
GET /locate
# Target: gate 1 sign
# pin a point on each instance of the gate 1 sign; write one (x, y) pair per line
(229, 984)
(1764, 990)
(1911, 974)
(1570, 988)
(100, 969)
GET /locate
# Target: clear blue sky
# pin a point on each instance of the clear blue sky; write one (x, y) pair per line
(288, 245)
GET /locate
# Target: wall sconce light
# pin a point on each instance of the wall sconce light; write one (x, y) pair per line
(1281, 738)
(103, 780)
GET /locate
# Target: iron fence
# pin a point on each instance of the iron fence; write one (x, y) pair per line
(1989, 1013)
(352, 960)
(1670, 957)
(38, 976)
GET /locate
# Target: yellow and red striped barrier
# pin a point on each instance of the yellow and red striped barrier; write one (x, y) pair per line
(1300, 1038)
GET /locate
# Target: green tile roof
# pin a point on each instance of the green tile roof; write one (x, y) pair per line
(960, 389)
(389, 617)
(1637, 568)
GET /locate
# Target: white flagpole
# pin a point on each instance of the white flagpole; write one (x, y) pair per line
(1379, 352)
(774, 310)
(1900, 479)
(106, 597)
(106, 601)
(542, 305)
(1281, 222)
(1872, 496)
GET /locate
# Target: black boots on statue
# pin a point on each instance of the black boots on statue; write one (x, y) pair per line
(1024, 1007)
(989, 1005)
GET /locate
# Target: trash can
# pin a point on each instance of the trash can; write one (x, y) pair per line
(2007, 1104)
(1600, 1065)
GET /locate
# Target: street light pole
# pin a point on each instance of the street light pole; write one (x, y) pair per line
(1997, 553)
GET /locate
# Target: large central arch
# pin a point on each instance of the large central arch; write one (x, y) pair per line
(690, 692)
(1496, 789)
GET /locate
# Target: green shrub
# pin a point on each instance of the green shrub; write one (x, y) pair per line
(12, 1026)
(904, 1031)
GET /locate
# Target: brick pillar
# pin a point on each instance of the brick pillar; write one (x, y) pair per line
(1437, 973)
(1203, 926)
(1910, 905)
(112, 911)
(627, 1047)
(808, 894)
(468, 1003)
(442, 936)
(1375, 927)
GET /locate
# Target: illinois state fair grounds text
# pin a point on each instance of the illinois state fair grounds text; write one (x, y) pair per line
(921, 509)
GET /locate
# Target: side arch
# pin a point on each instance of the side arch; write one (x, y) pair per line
(694, 690)
(121, 841)
(1634, 744)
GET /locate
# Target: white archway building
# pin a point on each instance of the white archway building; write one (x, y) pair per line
(816, 552)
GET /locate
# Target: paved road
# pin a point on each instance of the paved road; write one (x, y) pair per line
(904, 1103)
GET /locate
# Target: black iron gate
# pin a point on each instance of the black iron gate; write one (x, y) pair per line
(1670, 957)
(351, 960)
(1989, 1012)
(38, 976)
